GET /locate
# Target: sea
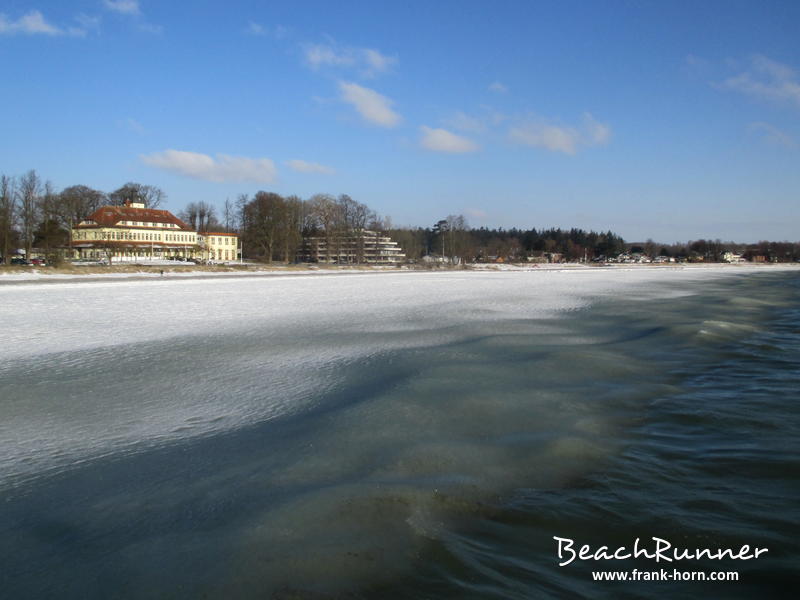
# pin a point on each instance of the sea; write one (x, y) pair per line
(335, 458)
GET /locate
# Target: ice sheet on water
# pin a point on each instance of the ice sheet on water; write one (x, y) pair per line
(94, 368)
(418, 400)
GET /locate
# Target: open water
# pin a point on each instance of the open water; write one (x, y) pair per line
(278, 463)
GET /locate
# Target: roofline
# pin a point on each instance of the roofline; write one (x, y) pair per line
(117, 226)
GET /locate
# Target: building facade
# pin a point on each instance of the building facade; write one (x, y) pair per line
(362, 247)
(218, 246)
(132, 232)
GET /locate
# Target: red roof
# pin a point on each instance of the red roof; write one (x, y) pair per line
(109, 216)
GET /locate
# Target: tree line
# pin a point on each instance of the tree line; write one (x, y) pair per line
(714, 250)
(273, 227)
(452, 240)
(34, 215)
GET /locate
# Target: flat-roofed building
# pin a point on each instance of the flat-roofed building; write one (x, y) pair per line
(362, 247)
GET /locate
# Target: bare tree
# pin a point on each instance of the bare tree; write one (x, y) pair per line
(453, 234)
(149, 195)
(49, 235)
(28, 191)
(77, 202)
(292, 226)
(8, 209)
(325, 213)
(263, 217)
(201, 216)
(458, 233)
(355, 217)
(229, 215)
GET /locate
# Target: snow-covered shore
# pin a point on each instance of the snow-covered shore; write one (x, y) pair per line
(76, 312)
(47, 275)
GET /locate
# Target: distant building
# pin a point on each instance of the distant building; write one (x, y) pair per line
(133, 232)
(363, 247)
(732, 257)
(216, 246)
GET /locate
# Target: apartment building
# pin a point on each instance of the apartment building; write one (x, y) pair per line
(362, 247)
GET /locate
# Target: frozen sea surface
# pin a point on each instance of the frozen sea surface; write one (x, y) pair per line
(92, 368)
(352, 434)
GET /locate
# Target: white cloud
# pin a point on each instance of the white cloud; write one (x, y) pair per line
(376, 62)
(125, 7)
(303, 166)
(224, 168)
(131, 8)
(372, 106)
(498, 88)
(772, 135)
(557, 138)
(34, 23)
(549, 137)
(767, 79)
(318, 55)
(31, 23)
(368, 61)
(441, 140)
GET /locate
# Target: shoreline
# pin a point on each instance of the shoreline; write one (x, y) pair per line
(49, 275)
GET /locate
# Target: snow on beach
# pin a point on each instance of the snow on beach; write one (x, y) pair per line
(91, 367)
(78, 314)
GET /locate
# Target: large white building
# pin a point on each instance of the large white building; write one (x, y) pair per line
(362, 247)
(133, 232)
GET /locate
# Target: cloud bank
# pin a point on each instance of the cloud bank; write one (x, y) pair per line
(224, 168)
(441, 140)
(34, 23)
(368, 61)
(131, 8)
(539, 133)
(767, 79)
(125, 7)
(372, 106)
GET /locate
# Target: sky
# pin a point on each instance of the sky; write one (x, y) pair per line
(665, 120)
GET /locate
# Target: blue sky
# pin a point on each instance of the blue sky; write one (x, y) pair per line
(670, 120)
